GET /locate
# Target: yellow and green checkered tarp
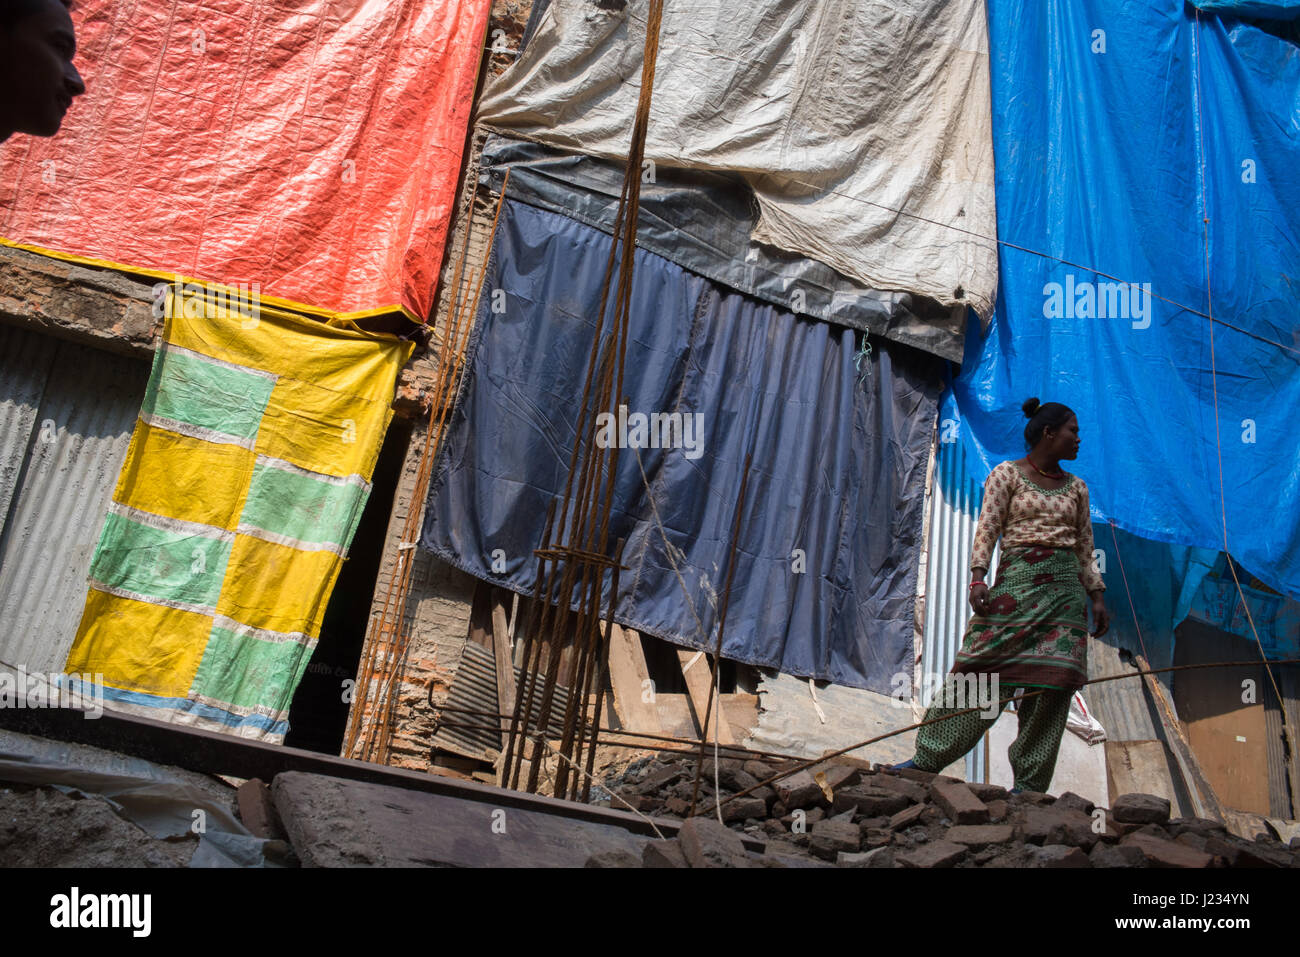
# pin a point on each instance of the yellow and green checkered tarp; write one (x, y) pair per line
(242, 488)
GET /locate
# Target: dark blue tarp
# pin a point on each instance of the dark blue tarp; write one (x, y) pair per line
(1268, 9)
(1118, 127)
(830, 535)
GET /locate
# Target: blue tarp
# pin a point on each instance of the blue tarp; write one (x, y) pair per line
(825, 581)
(1118, 126)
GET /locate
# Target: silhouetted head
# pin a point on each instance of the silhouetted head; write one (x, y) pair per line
(37, 78)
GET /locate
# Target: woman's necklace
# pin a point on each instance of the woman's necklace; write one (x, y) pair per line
(1058, 475)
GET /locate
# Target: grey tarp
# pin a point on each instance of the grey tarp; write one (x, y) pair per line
(863, 127)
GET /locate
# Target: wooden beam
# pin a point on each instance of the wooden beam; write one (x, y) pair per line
(697, 677)
(505, 658)
(1205, 803)
(628, 675)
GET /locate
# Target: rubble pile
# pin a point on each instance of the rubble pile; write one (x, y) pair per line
(847, 815)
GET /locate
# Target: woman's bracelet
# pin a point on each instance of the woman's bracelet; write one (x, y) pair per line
(973, 584)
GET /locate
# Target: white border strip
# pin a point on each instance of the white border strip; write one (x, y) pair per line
(252, 531)
(194, 431)
(206, 610)
(283, 466)
(177, 526)
(224, 363)
(263, 634)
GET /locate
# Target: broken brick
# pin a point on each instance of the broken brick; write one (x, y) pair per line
(933, 854)
(832, 836)
(706, 843)
(978, 836)
(955, 799)
(1140, 809)
(663, 854)
(1165, 853)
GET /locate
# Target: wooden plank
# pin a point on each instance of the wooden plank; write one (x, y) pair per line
(1230, 738)
(1141, 767)
(677, 715)
(1204, 801)
(505, 658)
(627, 676)
(741, 711)
(697, 678)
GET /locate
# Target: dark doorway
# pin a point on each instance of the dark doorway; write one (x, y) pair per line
(319, 713)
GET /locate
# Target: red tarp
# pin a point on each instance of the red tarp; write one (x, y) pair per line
(312, 148)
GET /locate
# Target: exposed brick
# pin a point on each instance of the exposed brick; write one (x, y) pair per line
(907, 816)
(869, 801)
(1106, 855)
(832, 836)
(1074, 802)
(1054, 825)
(900, 785)
(660, 778)
(618, 858)
(977, 836)
(663, 854)
(1057, 855)
(877, 837)
(1140, 809)
(861, 859)
(988, 792)
(706, 843)
(837, 775)
(799, 790)
(1238, 853)
(933, 854)
(1165, 853)
(744, 808)
(958, 803)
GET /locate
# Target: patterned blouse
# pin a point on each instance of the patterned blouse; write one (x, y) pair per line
(1024, 513)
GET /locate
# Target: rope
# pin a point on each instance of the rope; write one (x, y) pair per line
(811, 762)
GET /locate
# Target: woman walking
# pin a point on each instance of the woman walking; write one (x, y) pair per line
(1031, 628)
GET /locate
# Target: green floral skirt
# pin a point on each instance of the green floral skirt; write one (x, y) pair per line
(1036, 631)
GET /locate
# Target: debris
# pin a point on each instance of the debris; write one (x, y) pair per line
(883, 818)
(1141, 809)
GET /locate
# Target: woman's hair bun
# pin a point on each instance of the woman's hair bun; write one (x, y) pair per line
(1030, 407)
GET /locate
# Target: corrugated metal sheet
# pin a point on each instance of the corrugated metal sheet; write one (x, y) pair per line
(25, 361)
(65, 466)
(1281, 801)
(1123, 707)
(954, 512)
(475, 688)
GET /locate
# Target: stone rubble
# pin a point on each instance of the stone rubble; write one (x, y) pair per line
(846, 814)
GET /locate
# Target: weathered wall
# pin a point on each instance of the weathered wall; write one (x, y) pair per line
(94, 307)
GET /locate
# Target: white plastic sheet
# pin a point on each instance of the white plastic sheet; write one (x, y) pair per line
(862, 126)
